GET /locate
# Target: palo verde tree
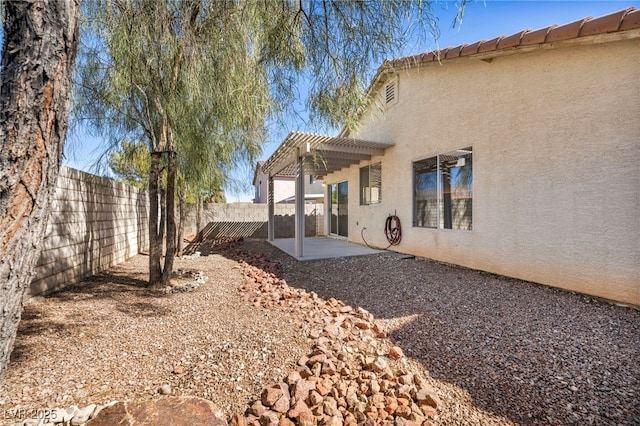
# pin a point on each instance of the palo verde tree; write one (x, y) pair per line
(40, 40)
(152, 62)
(169, 70)
(199, 176)
(130, 163)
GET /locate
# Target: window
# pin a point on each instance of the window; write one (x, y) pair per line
(443, 191)
(371, 184)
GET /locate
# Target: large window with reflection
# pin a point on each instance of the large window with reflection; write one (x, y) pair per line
(443, 190)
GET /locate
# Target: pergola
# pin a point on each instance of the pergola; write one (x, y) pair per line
(302, 153)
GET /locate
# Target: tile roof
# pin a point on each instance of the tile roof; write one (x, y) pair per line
(622, 20)
(616, 22)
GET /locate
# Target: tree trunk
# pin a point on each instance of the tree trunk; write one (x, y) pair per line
(160, 276)
(171, 219)
(182, 219)
(163, 213)
(155, 239)
(40, 41)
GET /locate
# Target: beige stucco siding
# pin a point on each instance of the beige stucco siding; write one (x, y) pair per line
(283, 188)
(556, 154)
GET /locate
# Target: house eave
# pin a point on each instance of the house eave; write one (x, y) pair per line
(617, 26)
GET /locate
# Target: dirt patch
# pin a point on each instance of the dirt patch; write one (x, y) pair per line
(496, 350)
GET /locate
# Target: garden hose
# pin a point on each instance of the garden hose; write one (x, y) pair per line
(392, 231)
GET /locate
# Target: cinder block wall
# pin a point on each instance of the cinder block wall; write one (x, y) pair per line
(94, 223)
(249, 220)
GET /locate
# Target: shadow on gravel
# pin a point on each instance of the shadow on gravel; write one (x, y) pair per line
(105, 285)
(32, 323)
(533, 354)
(130, 294)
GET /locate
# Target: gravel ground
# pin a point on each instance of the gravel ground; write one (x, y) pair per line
(498, 350)
(112, 339)
(526, 352)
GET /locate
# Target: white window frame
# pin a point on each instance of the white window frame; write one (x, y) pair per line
(439, 199)
(366, 192)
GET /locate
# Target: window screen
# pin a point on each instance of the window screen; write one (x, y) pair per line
(371, 184)
(443, 190)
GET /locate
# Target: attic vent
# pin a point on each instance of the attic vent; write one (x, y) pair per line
(391, 93)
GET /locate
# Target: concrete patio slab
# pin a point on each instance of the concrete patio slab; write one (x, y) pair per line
(317, 248)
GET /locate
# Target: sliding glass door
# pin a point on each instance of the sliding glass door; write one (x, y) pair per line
(339, 209)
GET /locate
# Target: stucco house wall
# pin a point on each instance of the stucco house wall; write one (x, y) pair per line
(555, 132)
(284, 187)
(260, 186)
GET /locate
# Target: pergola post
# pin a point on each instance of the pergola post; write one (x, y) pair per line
(327, 209)
(299, 215)
(270, 201)
(332, 154)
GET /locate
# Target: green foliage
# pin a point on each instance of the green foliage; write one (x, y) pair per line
(202, 77)
(198, 79)
(335, 46)
(182, 75)
(131, 163)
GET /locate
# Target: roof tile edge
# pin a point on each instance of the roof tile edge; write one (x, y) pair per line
(629, 19)
(621, 20)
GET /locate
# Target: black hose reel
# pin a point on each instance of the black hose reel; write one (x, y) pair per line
(392, 230)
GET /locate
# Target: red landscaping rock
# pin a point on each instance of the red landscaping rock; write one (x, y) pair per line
(396, 353)
(271, 395)
(346, 379)
(167, 411)
(298, 409)
(237, 420)
(429, 397)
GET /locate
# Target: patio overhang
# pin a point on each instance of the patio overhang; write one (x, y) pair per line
(319, 155)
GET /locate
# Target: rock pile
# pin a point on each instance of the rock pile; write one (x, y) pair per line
(354, 375)
(184, 281)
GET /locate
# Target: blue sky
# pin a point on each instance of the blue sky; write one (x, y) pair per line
(482, 20)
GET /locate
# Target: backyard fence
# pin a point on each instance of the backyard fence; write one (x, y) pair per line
(249, 220)
(96, 222)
